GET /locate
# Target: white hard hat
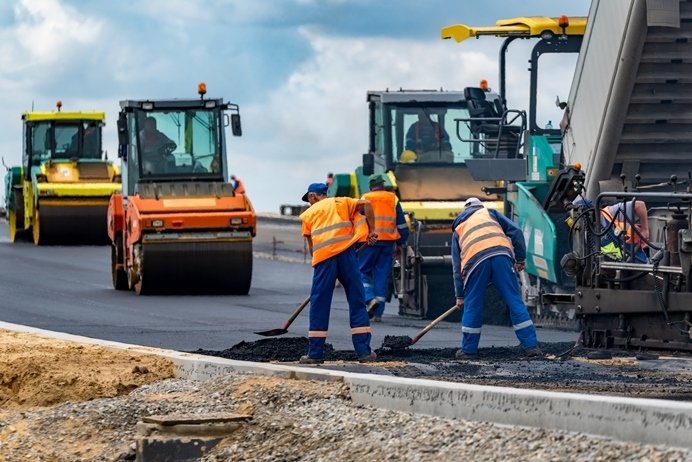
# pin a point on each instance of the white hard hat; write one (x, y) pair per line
(473, 202)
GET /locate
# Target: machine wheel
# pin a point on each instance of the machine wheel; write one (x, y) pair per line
(136, 274)
(39, 238)
(119, 275)
(139, 288)
(12, 221)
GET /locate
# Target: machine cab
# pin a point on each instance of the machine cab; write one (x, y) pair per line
(61, 137)
(174, 140)
(414, 134)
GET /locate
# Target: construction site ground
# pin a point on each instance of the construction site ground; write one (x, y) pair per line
(617, 373)
(62, 401)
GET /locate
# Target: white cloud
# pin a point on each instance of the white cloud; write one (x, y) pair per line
(316, 122)
(48, 29)
(313, 123)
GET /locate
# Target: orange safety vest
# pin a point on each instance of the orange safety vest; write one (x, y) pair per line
(333, 225)
(239, 186)
(619, 226)
(478, 232)
(384, 208)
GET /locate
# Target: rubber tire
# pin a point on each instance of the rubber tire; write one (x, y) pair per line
(118, 276)
(139, 288)
(12, 222)
(36, 229)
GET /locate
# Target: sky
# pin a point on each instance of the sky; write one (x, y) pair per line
(299, 69)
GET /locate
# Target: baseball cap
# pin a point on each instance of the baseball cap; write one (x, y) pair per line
(377, 178)
(319, 188)
(473, 202)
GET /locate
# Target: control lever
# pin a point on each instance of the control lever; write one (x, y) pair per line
(673, 181)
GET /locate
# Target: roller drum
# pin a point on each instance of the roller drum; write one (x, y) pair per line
(71, 224)
(196, 266)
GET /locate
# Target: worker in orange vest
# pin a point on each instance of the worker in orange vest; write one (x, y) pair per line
(238, 185)
(487, 246)
(627, 228)
(376, 261)
(331, 226)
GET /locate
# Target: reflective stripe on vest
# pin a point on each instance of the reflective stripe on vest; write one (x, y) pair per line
(331, 230)
(478, 232)
(384, 207)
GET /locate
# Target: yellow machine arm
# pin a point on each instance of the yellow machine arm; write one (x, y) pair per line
(528, 26)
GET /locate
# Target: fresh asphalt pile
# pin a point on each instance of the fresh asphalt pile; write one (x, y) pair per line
(563, 368)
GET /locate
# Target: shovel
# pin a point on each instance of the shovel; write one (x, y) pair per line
(284, 329)
(398, 342)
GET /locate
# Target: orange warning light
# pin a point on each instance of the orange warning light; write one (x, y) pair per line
(563, 21)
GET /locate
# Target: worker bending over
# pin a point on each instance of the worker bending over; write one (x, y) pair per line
(486, 246)
(332, 225)
(627, 227)
(376, 261)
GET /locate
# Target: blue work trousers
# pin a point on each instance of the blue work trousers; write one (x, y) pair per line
(343, 267)
(498, 269)
(375, 265)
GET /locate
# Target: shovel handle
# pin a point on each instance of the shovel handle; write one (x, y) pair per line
(435, 322)
(305, 302)
(296, 312)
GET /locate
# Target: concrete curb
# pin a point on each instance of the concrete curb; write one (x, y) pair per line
(649, 421)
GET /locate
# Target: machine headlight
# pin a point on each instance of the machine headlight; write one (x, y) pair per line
(236, 221)
(157, 223)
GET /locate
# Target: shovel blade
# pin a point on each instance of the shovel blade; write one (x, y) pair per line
(397, 342)
(272, 332)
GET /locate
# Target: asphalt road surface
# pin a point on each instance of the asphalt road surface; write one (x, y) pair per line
(68, 289)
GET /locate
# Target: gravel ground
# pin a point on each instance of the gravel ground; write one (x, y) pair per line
(619, 373)
(292, 420)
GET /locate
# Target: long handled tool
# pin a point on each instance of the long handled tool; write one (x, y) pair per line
(284, 329)
(399, 342)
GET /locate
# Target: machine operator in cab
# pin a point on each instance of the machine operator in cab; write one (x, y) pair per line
(426, 135)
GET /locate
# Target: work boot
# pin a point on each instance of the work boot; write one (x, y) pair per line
(534, 352)
(308, 360)
(368, 358)
(460, 354)
(372, 304)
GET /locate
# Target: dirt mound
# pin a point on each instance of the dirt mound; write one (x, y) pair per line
(42, 372)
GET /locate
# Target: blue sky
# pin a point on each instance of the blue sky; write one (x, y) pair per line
(299, 69)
